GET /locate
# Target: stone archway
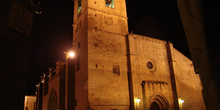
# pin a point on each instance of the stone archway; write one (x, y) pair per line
(159, 102)
(154, 106)
(52, 102)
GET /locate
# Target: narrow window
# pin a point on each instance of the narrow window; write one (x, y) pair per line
(116, 69)
(78, 45)
(79, 6)
(78, 63)
(109, 3)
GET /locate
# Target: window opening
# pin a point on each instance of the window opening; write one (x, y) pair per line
(154, 106)
(109, 3)
(78, 45)
(150, 65)
(79, 6)
(78, 63)
(116, 69)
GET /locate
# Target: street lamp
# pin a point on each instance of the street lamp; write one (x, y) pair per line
(70, 79)
(70, 54)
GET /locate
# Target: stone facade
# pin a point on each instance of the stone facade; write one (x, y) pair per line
(115, 70)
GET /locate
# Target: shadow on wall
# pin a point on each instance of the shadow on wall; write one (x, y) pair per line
(191, 95)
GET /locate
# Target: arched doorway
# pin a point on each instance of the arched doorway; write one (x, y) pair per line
(52, 102)
(159, 103)
(154, 106)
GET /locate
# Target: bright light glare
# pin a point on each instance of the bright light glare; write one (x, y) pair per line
(138, 100)
(181, 101)
(71, 54)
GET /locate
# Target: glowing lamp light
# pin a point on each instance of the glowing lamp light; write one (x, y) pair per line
(181, 101)
(138, 100)
(71, 54)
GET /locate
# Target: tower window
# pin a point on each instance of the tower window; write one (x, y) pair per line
(78, 45)
(116, 69)
(77, 63)
(79, 6)
(109, 3)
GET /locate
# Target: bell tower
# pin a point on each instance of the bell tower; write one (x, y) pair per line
(99, 30)
(101, 15)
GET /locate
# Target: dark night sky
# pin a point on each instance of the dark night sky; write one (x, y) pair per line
(53, 31)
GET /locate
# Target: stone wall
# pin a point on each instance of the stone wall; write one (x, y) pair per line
(105, 86)
(149, 82)
(156, 79)
(53, 84)
(80, 47)
(188, 83)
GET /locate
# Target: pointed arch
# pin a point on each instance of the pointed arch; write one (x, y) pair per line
(159, 102)
(52, 102)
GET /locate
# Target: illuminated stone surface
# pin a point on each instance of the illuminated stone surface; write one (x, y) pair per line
(105, 42)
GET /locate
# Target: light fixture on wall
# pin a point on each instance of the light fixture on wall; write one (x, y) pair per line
(138, 100)
(181, 101)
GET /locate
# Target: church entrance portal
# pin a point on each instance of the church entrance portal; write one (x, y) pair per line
(154, 106)
(159, 103)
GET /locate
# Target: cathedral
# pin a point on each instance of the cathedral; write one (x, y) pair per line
(113, 69)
